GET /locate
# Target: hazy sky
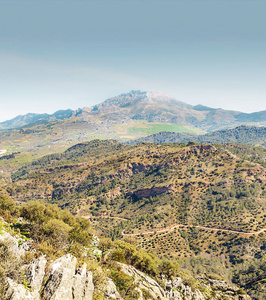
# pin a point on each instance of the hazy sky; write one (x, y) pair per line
(69, 54)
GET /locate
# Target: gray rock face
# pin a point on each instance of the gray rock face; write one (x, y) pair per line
(220, 289)
(82, 284)
(64, 283)
(35, 272)
(222, 286)
(17, 291)
(110, 291)
(176, 290)
(60, 279)
(144, 281)
(12, 242)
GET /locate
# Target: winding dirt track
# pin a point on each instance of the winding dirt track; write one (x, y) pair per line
(170, 228)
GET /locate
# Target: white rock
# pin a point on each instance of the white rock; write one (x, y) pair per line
(82, 285)
(144, 281)
(110, 291)
(60, 279)
(17, 291)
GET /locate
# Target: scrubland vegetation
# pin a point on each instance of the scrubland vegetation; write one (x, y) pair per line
(126, 189)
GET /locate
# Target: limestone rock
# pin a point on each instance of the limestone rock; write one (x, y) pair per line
(60, 279)
(12, 242)
(176, 290)
(222, 289)
(144, 281)
(222, 286)
(110, 291)
(82, 285)
(35, 272)
(17, 291)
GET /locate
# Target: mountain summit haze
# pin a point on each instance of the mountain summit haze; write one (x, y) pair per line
(126, 117)
(153, 107)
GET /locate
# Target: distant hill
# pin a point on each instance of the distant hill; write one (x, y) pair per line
(242, 134)
(253, 117)
(30, 118)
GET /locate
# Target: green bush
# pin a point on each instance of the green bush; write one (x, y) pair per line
(57, 231)
(125, 285)
(8, 208)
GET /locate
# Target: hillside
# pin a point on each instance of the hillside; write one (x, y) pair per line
(107, 174)
(126, 117)
(46, 253)
(243, 134)
(32, 118)
(177, 201)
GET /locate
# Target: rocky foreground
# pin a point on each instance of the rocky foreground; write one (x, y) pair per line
(64, 279)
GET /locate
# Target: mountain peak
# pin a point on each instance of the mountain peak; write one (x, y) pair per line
(135, 97)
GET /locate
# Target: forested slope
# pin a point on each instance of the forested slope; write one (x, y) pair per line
(126, 190)
(249, 135)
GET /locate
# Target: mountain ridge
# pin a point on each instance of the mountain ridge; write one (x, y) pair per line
(126, 117)
(127, 100)
(31, 118)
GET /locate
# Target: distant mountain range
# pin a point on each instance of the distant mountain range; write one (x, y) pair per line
(31, 118)
(149, 106)
(126, 117)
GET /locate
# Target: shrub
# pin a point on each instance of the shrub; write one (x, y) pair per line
(57, 231)
(7, 208)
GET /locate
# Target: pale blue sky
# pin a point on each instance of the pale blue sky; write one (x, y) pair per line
(69, 54)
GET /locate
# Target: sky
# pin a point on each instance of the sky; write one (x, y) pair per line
(73, 54)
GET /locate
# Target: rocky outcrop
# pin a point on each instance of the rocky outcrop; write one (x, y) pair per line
(34, 273)
(33, 277)
(66, 283)
(17, 291)
(14, 246)
(221, 289)
(63, 281)
(82, 285)
(110, 291)
(176, 289)
(143, 281)
(60, 279)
